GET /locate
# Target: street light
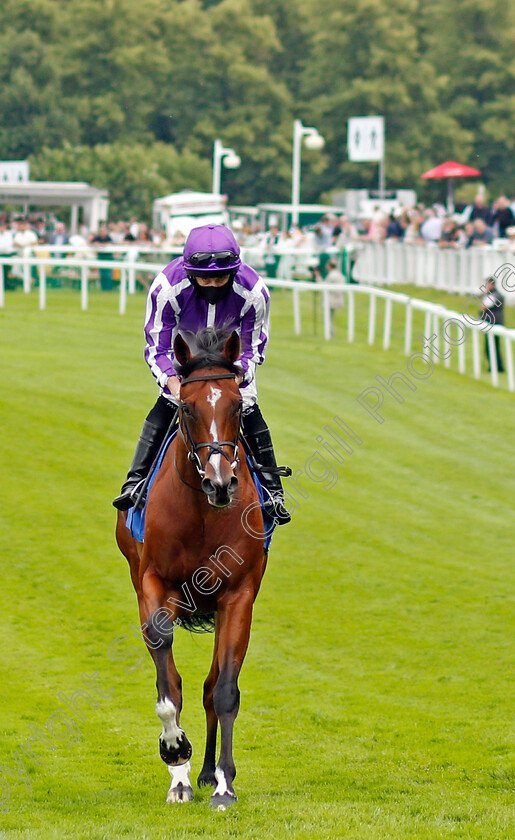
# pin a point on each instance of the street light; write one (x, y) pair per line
(313, 141)
(230, 160)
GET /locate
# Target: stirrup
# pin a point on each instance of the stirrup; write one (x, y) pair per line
(274, 506)
(138, 493)
(128, 497)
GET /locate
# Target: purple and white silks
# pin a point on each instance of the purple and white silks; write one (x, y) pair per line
(173, 307)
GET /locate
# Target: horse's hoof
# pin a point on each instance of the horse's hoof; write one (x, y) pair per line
(206, 778)
(180, 793)
(176, 755)
(222, 801)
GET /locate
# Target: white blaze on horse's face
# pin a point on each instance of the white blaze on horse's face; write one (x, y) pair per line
(216, 458)
(214, 396)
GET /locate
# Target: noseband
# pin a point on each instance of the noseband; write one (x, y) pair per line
(213, 447)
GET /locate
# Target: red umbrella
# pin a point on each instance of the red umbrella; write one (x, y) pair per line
(450, 169)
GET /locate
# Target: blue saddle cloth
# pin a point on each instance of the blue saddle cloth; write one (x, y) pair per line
(136, 518)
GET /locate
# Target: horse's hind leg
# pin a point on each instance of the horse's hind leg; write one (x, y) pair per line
(234, 631)
(207, 774)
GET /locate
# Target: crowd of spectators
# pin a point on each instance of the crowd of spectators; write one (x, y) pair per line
(477, 224)
(472, 226)
(32, 231)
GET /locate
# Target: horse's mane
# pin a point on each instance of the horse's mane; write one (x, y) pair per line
(207, 347)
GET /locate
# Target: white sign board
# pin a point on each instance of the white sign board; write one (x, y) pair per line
(365, 138)
(14, 171)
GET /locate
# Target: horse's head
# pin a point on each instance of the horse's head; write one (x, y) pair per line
(210, 411)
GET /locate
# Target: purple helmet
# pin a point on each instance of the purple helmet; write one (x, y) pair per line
(211, 249)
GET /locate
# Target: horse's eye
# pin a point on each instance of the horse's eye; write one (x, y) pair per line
(187, 411)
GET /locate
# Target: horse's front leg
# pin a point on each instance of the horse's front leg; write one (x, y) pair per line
(233, 637)
(174, 747)
(180, 785)
(207, 774)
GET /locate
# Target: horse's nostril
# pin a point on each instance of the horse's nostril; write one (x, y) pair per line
(233, 485)
(208, 486)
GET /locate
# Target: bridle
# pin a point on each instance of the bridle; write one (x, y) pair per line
(213, 447)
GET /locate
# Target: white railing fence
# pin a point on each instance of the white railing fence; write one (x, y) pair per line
(461, 270)
(438, 321)
(437, 318)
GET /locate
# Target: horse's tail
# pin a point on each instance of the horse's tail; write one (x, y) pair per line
(198, 622)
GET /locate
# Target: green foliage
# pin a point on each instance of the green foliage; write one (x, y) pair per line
(184, 72)
(134, 174)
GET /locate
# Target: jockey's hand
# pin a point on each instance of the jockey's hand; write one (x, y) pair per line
(174, 386)
(239, 379)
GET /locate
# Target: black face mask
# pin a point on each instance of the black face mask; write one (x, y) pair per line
(212, 294)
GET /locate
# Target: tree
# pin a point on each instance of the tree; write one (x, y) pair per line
(134, 174)
(366, 60)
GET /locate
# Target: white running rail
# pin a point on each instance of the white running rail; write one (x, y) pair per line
(434, 318)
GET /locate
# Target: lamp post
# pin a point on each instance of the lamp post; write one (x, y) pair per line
(230, 160)
(314, 141)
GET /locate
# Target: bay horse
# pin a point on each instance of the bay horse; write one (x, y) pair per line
(202, 558)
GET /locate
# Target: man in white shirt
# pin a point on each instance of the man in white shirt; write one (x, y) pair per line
(6, 238)
(431, 229)
(24, 241)
(6, 245)
(24, 238)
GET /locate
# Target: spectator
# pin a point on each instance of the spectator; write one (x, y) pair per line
(78, 241)
(324, 230)
(431, 228)
(469, 230)
(144, 235)
(6, 237)
(492, 310)
(297, 237)
(24, 237)
(40, 229)
(336, 299)
(271, 258)
(480, 210)
(102, 238)
(482, 235)
(134, 227)
(24, 241)
(59, 237)
(503, 216)
(394, 229)
(118, 232)
(452, 235)
(6, 246)
(178, 239)
(348, 233)
(377, 229)
(412, 232)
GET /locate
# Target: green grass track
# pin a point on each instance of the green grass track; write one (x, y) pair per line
(377, 693)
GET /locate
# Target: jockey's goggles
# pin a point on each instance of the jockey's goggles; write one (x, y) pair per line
(205, 259)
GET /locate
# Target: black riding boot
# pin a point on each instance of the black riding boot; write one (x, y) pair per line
(152, 435)
(257, 434)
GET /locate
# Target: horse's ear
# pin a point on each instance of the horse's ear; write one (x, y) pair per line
(181, 350)
(232, 347)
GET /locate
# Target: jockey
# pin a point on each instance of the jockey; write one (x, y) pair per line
(209, 286)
